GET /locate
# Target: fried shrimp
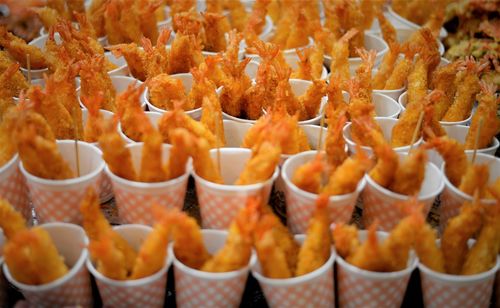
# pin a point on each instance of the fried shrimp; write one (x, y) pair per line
(334, 142)
(131, 113)
(93, 127)
(11, 221)
(454, 156)
(345, 238)
(428, 253)
(308, 176)
(410, 173)
(261, 166)
(95, 79)
(340, 57)
(475, 178)
(19, 50)
(151, 157)
(134, 56)
(164, 90)
(369, 255)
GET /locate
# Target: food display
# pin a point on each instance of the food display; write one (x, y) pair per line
(140, 99)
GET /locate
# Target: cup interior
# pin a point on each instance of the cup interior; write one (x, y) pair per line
(90, 158)
(233, 162)
(134, 234)
(385, 106)
(235, 132)
(69, 239)
(136, 153)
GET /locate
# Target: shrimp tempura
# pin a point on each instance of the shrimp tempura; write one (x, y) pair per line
(203, 164)
(308, 176)
(475, 178)
(345, 238)
(261, 166)
(211, 116)
(453, 154)
(131, 113)
(164, 90)
(315, 250)
(19, 50)
(340, 57)
(182, 142)
(134, 56)
(151, 157)
(12, 82)
(11, 221)
(311, 100)
(109, 260)
(428, 253)
(410, 173)
(334, 142)
(93, 127)
(369, 255)
(94, 79)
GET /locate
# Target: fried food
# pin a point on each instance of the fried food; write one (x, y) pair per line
(369, 255)
(95, 15)
(156, 58)
(93, 127)
(8, 122)
(11, 221)
(12, 82)
(19, 50)
(211, 117)
(215, 26)
(135, 57)
(182, 142)
(131, 112)
(401, 71)
(339, 64)
(334, 142)
(261, 166)
(428, 253)
(454, 156)
(203, 164)
(475, 178)
(164, 90)
(443, 79)
(410, 173)
(94, 79)
(151, 156)
(345, 238)
(386, 67)
(308, 176)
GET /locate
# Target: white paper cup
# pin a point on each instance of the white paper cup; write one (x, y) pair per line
(404, 98)
(459, 133)
(73, 289)
(300, 204)
(372, 42)
(251, 69)
(104, 188)
(385, 106)
(153, 117)
(13, 188)
(59, 200)
(194, 288)
(315, 289)
(220, 203)
(235, 132)
(361, 288)
(187, 82)
(134, 199)
(144, 292)
(444, 290)
(452, 198)
(386, 124)
(442, 33)
(120, 83)
(380, 203)
(312, 134)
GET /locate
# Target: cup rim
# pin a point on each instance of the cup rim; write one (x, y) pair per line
(124, 136)
(10, 163)
(211, 275)
(379, 53)
(442, 31)
(443, 277)
(72, 181)
(495, 144)
(61, 280)
(305, 194)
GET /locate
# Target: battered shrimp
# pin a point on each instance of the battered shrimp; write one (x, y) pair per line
(12, 81)
(346, 177)
(93, 127)
(238, 15)
(475, 178)
(308, 176)
(164, 90)
(386, 67)
(431, 126)
(369, 255)
(402, 69)
(311, 100)
(146, 11)
(237, 250)
(19, 50)
(340, 57)
(11, 221)
(364, 71)
(95, 15)
(151, 156)
(203, 163)
(94, 79)
(130, 111)
(443, 80)
(304, 70)
(299, 32)
(261, 166)
(215, 27)
(388, 30)
(233, 95)
(211, 117)
(454, 156)
(410, 174)
(48, 16)
(345, 238)
(336, 103)
(33, 258)
(135, 57)
(428, 253)
(335, 142)
(257, 18)
(116, 155)
(202, 85)
(109, 260)
(182, 141)
(458, 231)
(316, 248)
(156, 58)
(361, 108)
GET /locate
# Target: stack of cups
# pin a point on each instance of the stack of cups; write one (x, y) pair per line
(13, 187)
(194, 288)
(134, 199)
(361, 288)
(452, 198)
(73, 289)
(380, 203)
(301, 204)
(145, 292)
(219, 203)
(59, 200)
(315, 289)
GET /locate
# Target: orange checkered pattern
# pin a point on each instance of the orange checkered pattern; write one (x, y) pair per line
(450, 207)
(104, 187)
(439, 293)
(300, 209)
(218, 208)
(377, 206)
(358, 291)
(13, 188)
(318, 292)
(75, 292)
(135, 207)
(150, 294)
(191, 291)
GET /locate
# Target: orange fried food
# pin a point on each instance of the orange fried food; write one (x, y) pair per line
(109, 260)
(151, 157)
(340, 57)
(475, 178)
(202, 85)
(399, 75)
(131, 113)
(361, 110)
(387, 66)
(215, 26)
(298, 35)
(311, 100)
(156, 58)
(33, 258)
(95, 15)
(308, 176)
(164, 90)
(135, 57)
(345, 238)
(261, 166)
(454, 156)
(93, 127)
(95, 79)
(185, 52)
(443, 79)
(234, 92)
(410, 173)
(19, 50)
(8, 122)
(203, 163)
(182, 141)
(11, 221)
(336, 103)
(369, 255)
(428, 253)
(211, 117)
(334, 142)
(316, 248)
(12, 81)
(238, 15)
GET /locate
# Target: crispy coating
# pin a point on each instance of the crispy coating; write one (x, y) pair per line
(11, 221)
(203, 164)
(475, 178)
(131, 113)
(443, 79)
(454, 156)
(369, 255)
(164, 90)
(151, 157)
(109, 259)
(211, 117)
(7, 125)
(335, 142)
(410, 173)
(261, 166)
(428, 253)
(345, 238)
(311, 100)
(340, 57)
(135, 57)
(19, 50)
(182, 142)
(12, 81)
(386, 67)
(308, 176)
(95, 79)
(93, 127)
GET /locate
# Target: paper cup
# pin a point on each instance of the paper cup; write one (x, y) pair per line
(13, 188)
(372, 42)
(385, 106)
(220, 203)
(444, 290)
(361, 288)
(452, 198)
(134, 199)
(187, 82)
(153, 117)
(315, 289)
(386, 124)
(251, 69)
(104, 187)
(120, 83)
(194, 288)
(404, 98)
(145, 292)
(235, 132)
(73, 289)
(300, 204)
(59, 200)
(442, 33)
(380, 203)
(375, 28)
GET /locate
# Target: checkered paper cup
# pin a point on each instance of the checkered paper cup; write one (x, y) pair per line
(301, 204)
(145, 292)
(315, 289)
(444, 290)
(219, 203)
(194, 288)
(73, 289)
(361, 288)
(13, 187)
(380, 203)
(134, 199)
(453, 198)
(59, 200)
